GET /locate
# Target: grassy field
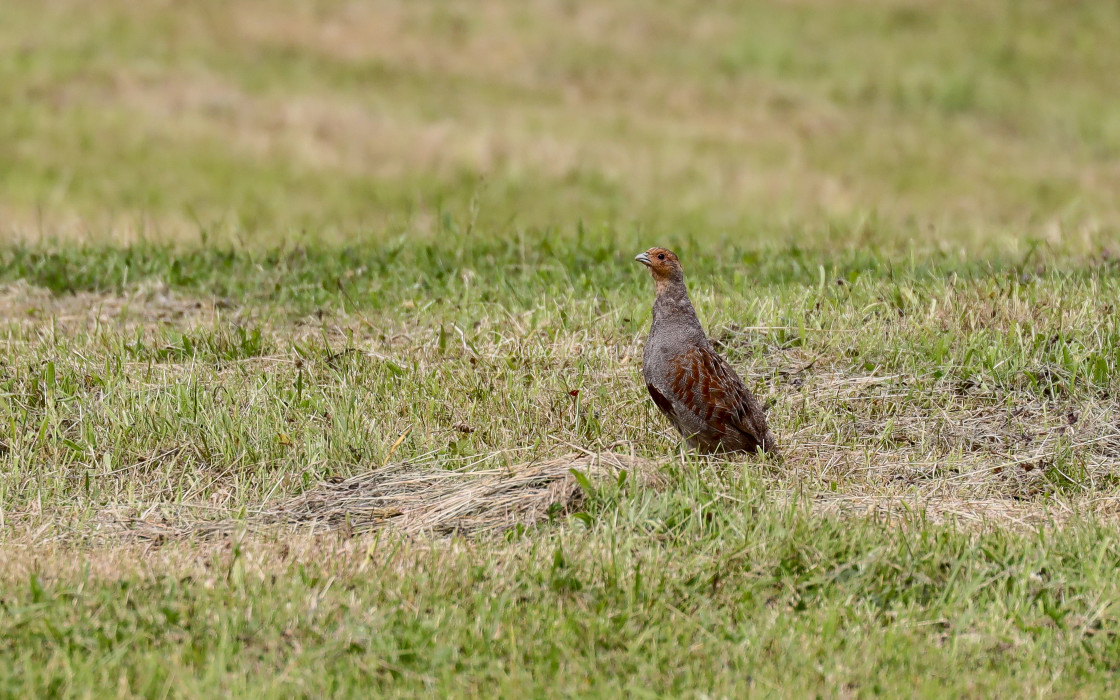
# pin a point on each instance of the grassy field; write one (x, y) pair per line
(251, 250)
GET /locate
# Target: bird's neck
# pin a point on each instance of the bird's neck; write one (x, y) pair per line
(674, 306)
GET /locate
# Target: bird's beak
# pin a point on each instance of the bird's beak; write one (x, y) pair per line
(643, 258)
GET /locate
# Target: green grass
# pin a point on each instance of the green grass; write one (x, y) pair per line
(251, 247)
(655, 597)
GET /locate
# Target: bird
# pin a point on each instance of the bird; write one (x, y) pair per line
(694, 387)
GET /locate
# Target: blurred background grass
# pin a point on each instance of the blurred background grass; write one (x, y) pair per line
(974, 127)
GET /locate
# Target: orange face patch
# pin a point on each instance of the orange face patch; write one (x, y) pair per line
(662, 263)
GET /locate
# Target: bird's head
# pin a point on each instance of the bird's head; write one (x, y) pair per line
(663, 265)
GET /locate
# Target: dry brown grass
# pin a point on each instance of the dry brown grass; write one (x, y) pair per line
(207, 560)
(986, 487)
(424, 499)
(415, 499)
(142, 305)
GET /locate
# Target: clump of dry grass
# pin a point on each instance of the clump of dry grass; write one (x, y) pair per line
(424, 499)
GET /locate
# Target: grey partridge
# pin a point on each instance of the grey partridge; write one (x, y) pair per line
(694, 387)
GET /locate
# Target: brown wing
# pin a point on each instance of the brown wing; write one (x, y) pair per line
(703, 382)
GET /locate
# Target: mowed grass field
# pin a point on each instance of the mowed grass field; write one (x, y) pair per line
(253, 249)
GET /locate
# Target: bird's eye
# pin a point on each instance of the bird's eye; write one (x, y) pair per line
(661, 256)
